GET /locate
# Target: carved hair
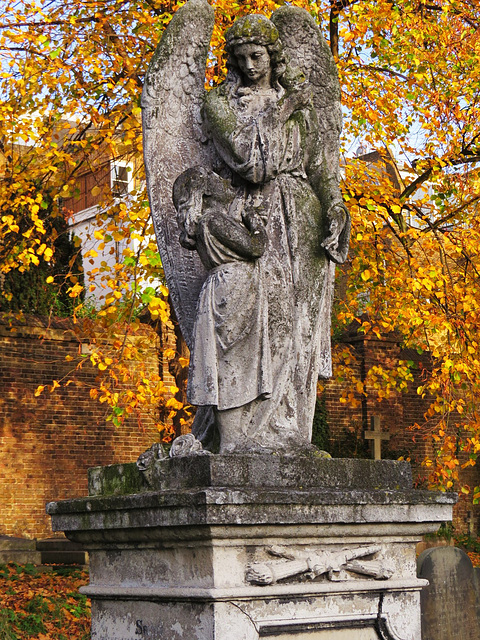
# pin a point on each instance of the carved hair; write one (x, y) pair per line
(254, 29)
(201, 180)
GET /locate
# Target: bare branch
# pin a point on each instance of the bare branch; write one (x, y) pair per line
(371, 67)
(412, 187)
(45, 23)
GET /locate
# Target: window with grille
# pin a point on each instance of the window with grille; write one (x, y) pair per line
(119, 181)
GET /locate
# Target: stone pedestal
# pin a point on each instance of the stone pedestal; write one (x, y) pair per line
(249, 547)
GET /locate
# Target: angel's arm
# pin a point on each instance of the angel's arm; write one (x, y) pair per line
(296, 99)
(248, 242)
(324, 176)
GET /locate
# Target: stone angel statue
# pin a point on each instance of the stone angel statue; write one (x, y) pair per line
(243, 184)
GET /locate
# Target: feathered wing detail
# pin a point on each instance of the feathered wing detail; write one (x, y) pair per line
(307, 49)
(173, 141)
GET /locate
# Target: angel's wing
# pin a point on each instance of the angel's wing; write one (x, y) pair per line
(172, 142)
(307, 49)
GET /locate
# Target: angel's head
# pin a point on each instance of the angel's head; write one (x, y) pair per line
(255, 52)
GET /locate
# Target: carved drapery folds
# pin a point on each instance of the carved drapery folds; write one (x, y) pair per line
(249, 247)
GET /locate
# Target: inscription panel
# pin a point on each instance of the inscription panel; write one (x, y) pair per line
(365, 633)
(143, 620)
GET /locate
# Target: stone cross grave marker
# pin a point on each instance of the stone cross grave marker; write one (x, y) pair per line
(377, 435)
(449, 610)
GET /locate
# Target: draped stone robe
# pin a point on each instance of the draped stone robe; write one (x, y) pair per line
(280, 163)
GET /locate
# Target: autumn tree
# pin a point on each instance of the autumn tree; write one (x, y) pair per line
(71, 78)
(410, 81)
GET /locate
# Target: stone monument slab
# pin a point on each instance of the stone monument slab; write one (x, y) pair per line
(245, 561)
(449, 607)
(254, 471)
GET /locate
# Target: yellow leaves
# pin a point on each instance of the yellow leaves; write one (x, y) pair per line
(102, 363)
(9, 224)
(50, 279)
(158, 308)
(348, 37)
(51, 388)
(366, 275)
(172, 403)
(75, 291)
(55, 384)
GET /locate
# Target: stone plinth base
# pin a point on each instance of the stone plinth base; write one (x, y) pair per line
(247, 547)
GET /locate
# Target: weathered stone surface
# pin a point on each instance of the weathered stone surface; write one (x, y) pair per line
(252, 500)
(449, 605)
(19, 550)
(254, 471)
(116, 479)
(262, 546)
(250, 259)
(476, 582)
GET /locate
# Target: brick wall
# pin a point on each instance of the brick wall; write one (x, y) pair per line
(347, 423)
(47, 443)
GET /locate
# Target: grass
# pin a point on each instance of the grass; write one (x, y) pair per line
(43, 606)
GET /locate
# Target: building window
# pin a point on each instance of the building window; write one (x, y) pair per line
(119, 180)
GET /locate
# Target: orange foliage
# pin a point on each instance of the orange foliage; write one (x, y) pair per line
(410, 79)
(40, 606)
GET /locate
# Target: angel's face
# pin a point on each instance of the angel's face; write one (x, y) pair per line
(189, 211)
(254, 62)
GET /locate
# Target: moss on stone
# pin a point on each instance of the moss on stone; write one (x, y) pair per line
(115, 479)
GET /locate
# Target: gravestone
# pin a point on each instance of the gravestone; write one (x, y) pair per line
(476, 582)
(19, 550)
(449, 607)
